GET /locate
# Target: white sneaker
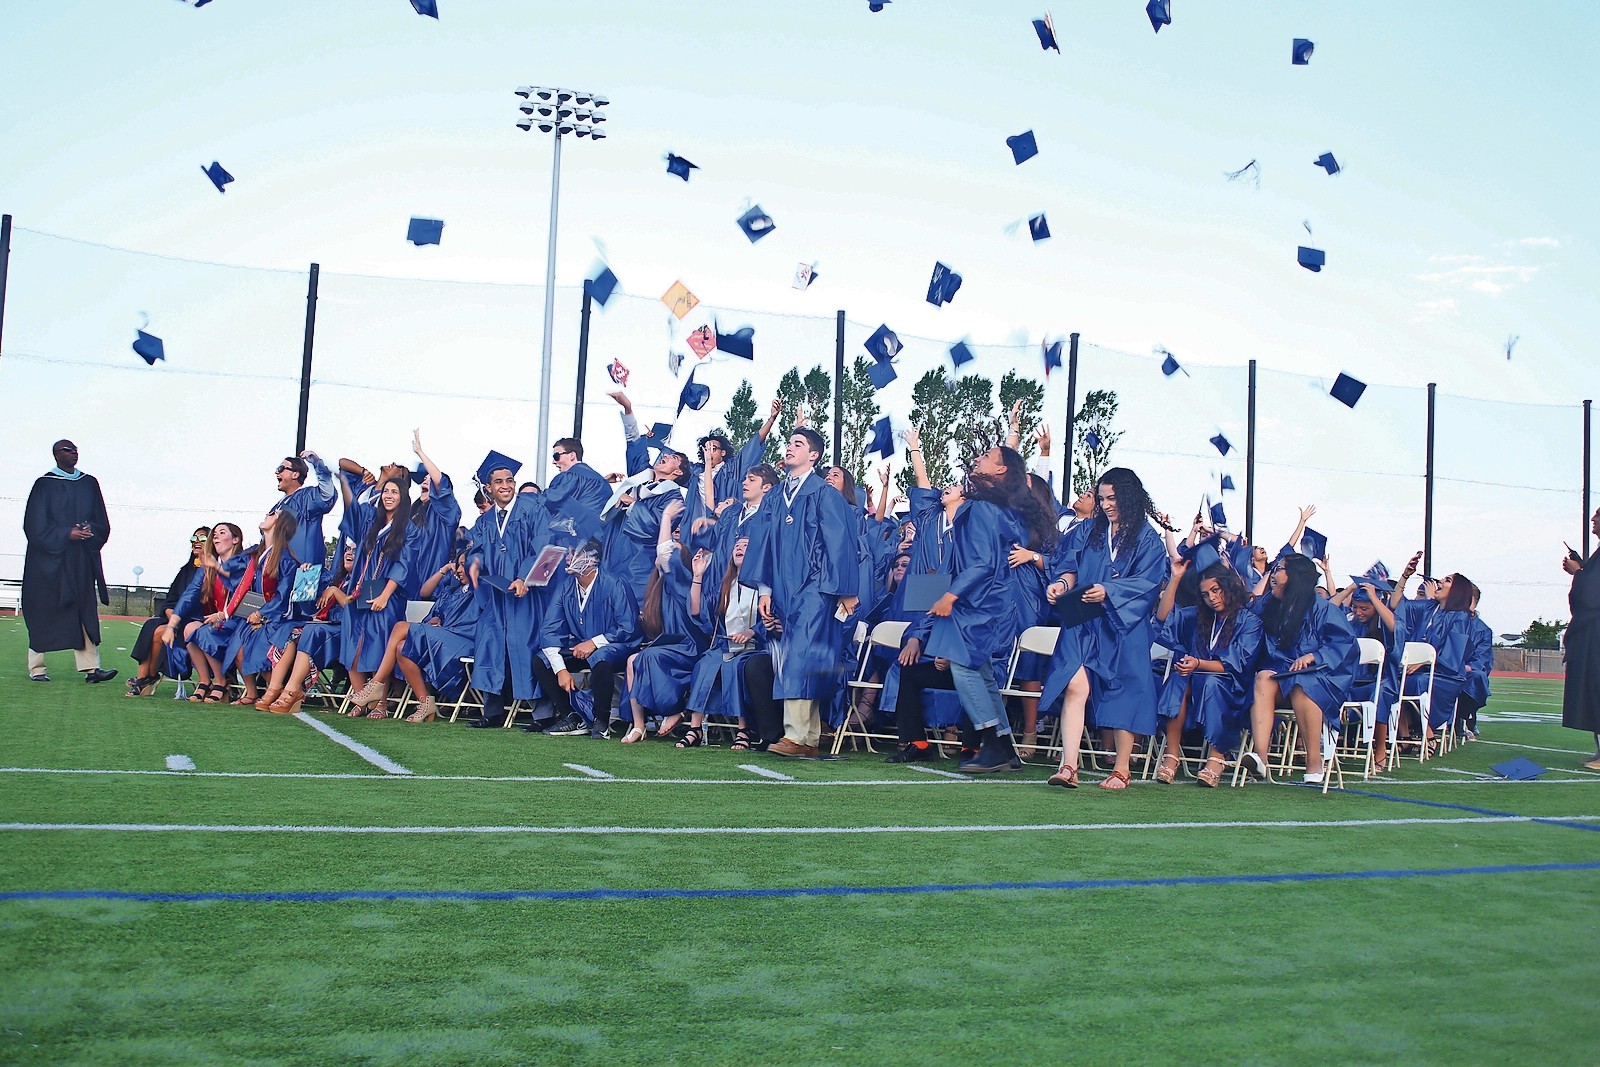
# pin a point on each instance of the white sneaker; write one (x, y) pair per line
(1314, 779)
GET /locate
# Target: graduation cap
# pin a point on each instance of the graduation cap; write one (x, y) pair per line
(1520, 769)
(429, 8)
(1347, 390)
(1327, 163)
(1301, 54)
(756, 224)
(804, 275)
(219, 177)
(586, 521)
(149, 348)
(1222, 444)
(419, 475)
(1382, 585)
(1092, 439)
(1023, 146)
(1189, 552)
(882, 438)
(1314, 544)
(740, 342)
(1227, 482)
(1251, 169)
(883, 344)
(674, 362)
(424, 231)
(1169, 363)
(679, 300)
(679, 167)
(493, 462)
(943, 286)
(196, 3)
(659, 432)
(960, 354)
(1052, 357)
(601, 286)
(877, 5)
(1046, 29)
(1160, 12)
(1312, 259)
(702, 341)
(1219, 517)
(1038, 227)
(881, 373)
(693, 395)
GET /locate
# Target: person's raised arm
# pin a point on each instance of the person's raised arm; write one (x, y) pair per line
(919, 466)
(772, 420)
(1169, 592)
(883, 499)
(435, 476)
(1014, 433)
(1300, 527)
(1399, 593)
(1384, 611)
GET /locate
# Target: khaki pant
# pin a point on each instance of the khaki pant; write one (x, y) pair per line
(87, 659)
(802, 721)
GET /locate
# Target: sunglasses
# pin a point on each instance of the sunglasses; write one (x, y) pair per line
(281, 469)
(558, 455)
(68, 448)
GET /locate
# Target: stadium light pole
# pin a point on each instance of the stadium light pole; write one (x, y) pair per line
(558, 112)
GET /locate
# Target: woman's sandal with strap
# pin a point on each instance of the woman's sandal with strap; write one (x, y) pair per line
(692, 739)
(1065, 777)
(427, 711)
(380, 710)
(268, 699)
(1209, 778)
(1116, 780)
(288, 702)
(741, 742)
(1164, 775)
(216, 693)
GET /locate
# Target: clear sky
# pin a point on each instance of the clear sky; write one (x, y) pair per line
(1464, 215)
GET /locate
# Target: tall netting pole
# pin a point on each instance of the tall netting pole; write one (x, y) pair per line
(1072, 418)
(838, 388)
(305, 360)
(1250, 459)
(5, 267)
(583, 366)
(1427, 487)
(1587, 507)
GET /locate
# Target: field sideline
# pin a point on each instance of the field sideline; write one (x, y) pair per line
(318, 889)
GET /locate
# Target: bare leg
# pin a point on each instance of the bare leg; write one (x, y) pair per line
(1309, 718)
(1073, 707)
(1124, 741)
(1172, 756)
(391, 651)
(633, 706)
(1261, 714)
(358, 682)
(413, 675)
(1030, 718)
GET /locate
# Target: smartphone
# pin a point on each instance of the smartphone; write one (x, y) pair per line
(1573, 556)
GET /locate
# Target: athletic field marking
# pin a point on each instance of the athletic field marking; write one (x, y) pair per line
(1533, 748)
(371, 755)
(754, 768)
(467, 896)
(802, 831)
(180, 763)
(935, 770)
(1571, 823)
(1475, 774)
(590, 771)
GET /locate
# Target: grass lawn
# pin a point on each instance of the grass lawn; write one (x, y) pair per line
(289, 902)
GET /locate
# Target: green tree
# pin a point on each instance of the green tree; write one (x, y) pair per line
(740, 420)
(814, 392)
(1015, 387)
(955, 418)
(1095, 415)
(860, 402)
(1541, 634)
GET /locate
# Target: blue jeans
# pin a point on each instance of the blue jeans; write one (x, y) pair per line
(980, 697)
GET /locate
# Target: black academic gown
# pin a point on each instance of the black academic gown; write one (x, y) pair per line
(62, 577)
(1580, 699)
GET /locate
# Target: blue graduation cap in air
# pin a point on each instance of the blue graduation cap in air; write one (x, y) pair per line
(883, 344)
(1301, 53)
(424, 231)
(882, 438)
(1520, 769)
(1227, 483)
(429, 8)
(693, 395)
(492, 462)
(877, 5)
(659, 432)
(1219, 517)
(601, 286)
(1023, 146)
(1160, 12)
(1206, 556)
(1092, 439)
(1314, 544)
(219, 177)
(1312, 259)
(586, 521)
(1222, 444)
(1170, 364)
(960, 354)
(756, 224)
(1046, 30)
(679, 167)
(149, 348)
(881, 373)
(1038, 227)
(740, 342)
(1052, 357)
(419, 475)
(1327, 163)
(943, 286)
(1347, 390)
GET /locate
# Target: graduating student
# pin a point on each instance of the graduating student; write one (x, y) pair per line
(1580, 697)
(1120, 562)
(1369, 615)
(1029, 559)
(435, 518)
(591, 624)
(430, 658)
(633, 511)
(507, 540)
(308, 645)
(715, 684)
(66, 526)
(308, 503)
(380, 530)
(1480, 664)
(150, 648)
(802, 560)
(222, 585)
(1214, 647)
(251, 648)
(576, 491)
(1308, 661)
(1445, 622)
(725, 466)
(676, 626)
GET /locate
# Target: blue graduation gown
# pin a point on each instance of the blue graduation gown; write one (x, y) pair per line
(253, 645)
(367, 631)
(310, 504)
(983, 620)
(611, 612)
(932, 552)
(437, 649)
(716, 686)
(803, 552)
(1325, 634)
(214, 640)
(429, 544)
(1114, 648)
(1218, 703)
(662, 669)
(1480, 658)
(507, 624)
(1447, 632)
(577, 489)
(630, 549)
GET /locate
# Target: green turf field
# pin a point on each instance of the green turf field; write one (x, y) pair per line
(289, 902)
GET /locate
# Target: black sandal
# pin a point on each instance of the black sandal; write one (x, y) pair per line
(216, 693)
(692, 738)
(741, 742)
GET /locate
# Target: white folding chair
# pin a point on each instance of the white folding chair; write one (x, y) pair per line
(887, 635)
(1040, 640)
(1362, 713)
(1416, 654)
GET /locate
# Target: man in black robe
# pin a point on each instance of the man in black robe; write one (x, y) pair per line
(66, 525)
(1580, 696)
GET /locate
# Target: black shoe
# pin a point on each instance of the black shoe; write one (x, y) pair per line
(98, 675)
(997, 754)
(912, 754)
(570, 726)
(487, 724)
(38, 677)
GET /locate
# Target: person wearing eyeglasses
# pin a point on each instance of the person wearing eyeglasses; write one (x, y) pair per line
(310, 503)
(577, 490)
(150, 647)
(66, 526)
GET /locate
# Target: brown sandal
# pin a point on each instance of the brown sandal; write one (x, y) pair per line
(1066, 778)
(268, 699)
(288, 702)
(1209, 778)
(1165, 776)
(1117, 780)
(380, 710)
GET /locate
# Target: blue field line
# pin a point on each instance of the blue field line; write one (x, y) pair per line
(1474, 810)
(469, 896)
